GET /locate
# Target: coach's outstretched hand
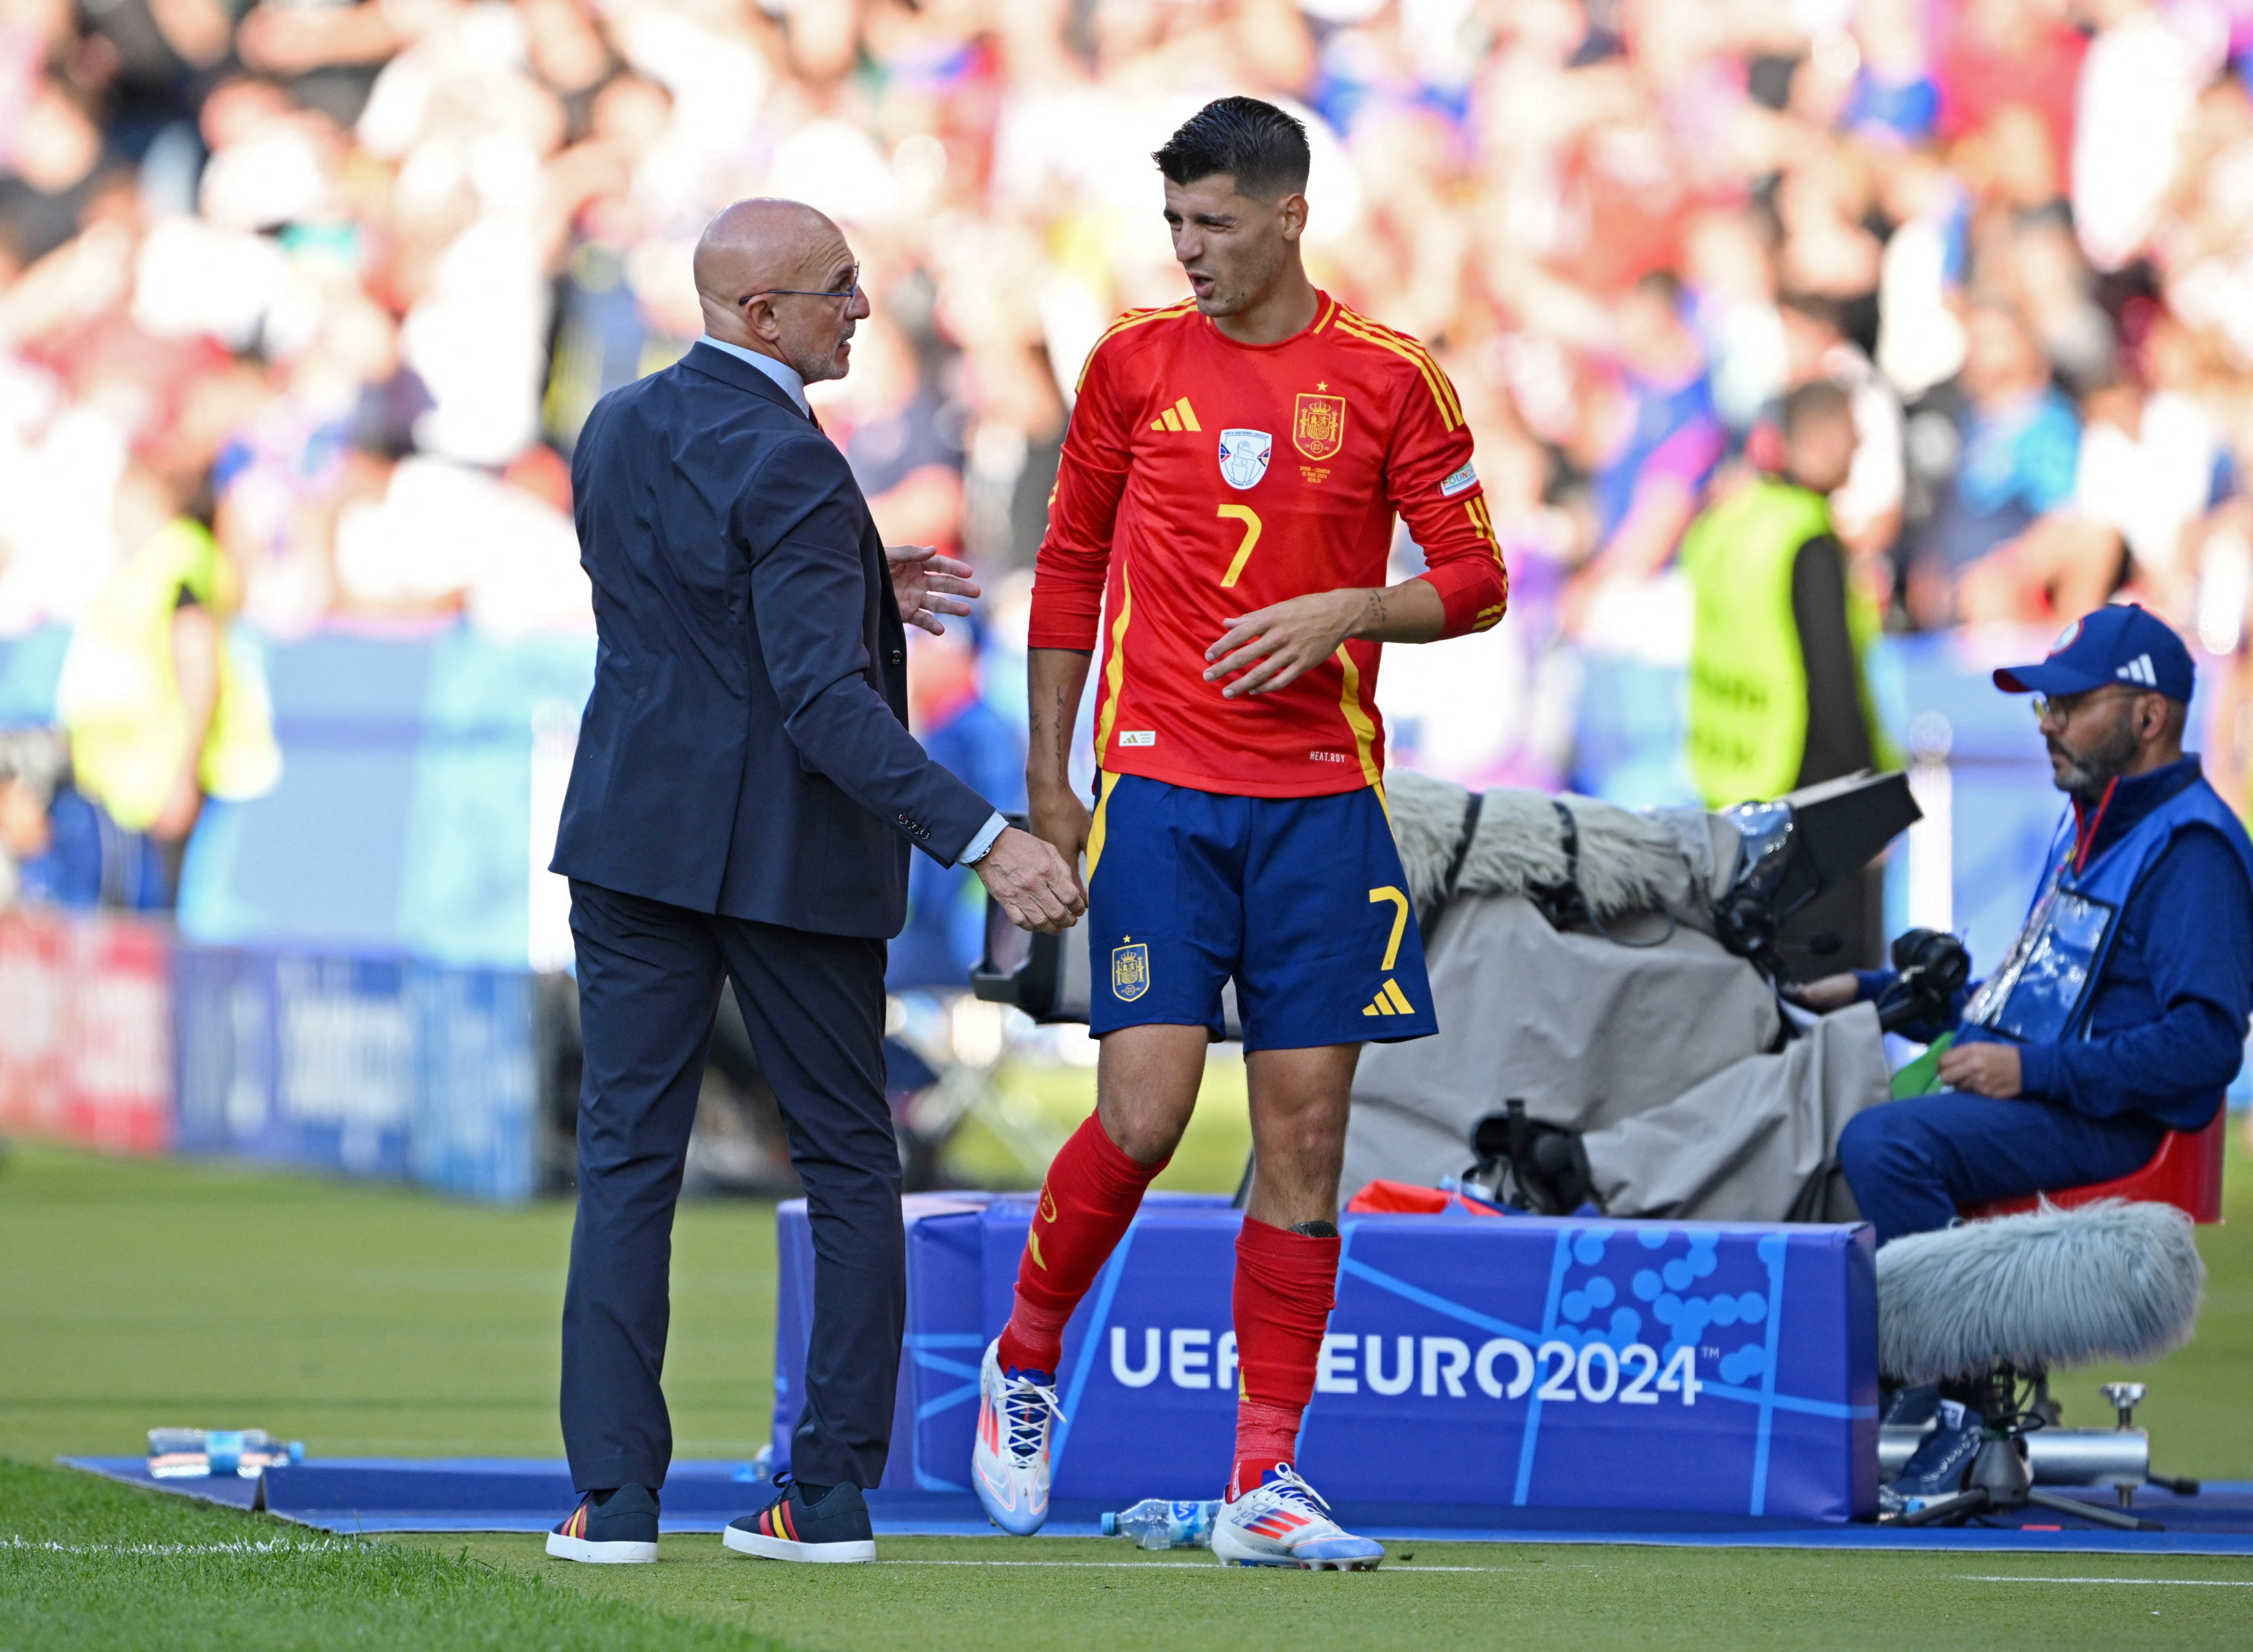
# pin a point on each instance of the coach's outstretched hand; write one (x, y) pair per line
(1035, 886)
(928, 585)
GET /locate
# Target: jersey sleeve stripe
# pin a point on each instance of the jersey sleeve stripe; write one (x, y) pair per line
(1451, 416)
(1131, 319)
(1416, 348)
(1440, 375)
(1378, 331)
(1482, 520)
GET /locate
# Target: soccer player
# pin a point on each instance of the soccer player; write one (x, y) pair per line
(1229, 486)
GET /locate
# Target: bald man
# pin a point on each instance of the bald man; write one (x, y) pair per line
(742, 808)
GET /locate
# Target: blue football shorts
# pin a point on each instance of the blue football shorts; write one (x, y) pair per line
(1301, 900)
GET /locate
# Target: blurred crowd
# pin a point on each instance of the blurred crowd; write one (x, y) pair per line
(332, 283)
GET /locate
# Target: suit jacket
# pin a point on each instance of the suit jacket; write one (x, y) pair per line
(745, 749)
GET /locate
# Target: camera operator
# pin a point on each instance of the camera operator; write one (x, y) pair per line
(2120, 1013)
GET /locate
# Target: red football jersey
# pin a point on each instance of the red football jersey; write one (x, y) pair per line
(1202, 479)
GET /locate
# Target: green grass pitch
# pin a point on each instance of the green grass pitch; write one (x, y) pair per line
(372, 1320)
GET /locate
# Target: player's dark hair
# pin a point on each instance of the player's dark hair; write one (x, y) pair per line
(1812, 403)
(1264, 150)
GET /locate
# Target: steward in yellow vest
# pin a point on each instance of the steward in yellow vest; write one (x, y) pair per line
(160, 714)
(1779, 698)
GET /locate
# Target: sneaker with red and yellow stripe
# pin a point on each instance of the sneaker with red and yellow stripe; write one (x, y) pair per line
(796, 1526)
(610, 1528)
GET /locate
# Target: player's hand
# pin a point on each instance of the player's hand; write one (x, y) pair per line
(1984, 1069)
(1034, 885)
(1276, 645)
(1061, 820)
(928, 585)
(1832, 992)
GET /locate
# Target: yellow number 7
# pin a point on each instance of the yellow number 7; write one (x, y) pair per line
(1249, 518)
(1399, 921)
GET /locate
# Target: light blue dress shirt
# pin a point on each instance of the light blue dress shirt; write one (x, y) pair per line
(781, 372)
(793, 386)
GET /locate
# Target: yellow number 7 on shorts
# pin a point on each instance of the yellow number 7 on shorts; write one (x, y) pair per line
(1390, 999)
(1399, 920)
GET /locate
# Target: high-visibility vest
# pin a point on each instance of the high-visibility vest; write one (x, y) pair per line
(120, 702)
(1747, 734)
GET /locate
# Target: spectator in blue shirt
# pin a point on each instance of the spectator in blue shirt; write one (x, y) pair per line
(2017, 441)
(1664, 443)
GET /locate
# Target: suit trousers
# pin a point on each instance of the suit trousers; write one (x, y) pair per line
(650, 976)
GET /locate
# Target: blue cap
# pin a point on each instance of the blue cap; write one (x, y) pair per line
(2121, 643)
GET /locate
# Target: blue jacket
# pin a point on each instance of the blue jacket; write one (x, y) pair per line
(2167, 1016)
(745, 750)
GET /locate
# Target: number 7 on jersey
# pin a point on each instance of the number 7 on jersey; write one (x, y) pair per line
(1249, 518)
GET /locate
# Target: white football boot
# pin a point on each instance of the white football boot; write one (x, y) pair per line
(1010, 1463)
(1284, 1521)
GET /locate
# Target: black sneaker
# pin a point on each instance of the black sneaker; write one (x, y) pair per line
(1911, 1407)
(790, 1529)
(1937, 1468)
(609, 1527)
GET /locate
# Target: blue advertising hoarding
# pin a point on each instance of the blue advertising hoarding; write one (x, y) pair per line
(1694, 1367)
(369, 1067)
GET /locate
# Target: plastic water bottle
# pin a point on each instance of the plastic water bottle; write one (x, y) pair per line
(1155, 1523)
(195, 1454)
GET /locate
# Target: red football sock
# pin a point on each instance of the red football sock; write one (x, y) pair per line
(1286, 1284)
(1091, 1193)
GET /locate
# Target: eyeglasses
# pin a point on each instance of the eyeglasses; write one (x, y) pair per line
(852, 290)
(2064, 707)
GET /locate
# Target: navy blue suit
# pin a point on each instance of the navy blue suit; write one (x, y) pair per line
(741, 806)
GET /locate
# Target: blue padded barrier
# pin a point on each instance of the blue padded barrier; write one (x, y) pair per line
(1690, 1368)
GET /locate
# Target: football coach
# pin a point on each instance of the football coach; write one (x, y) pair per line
(741, 805)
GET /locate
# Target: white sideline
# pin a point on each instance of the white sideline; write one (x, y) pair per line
(2177, 1583)
(276, 1545)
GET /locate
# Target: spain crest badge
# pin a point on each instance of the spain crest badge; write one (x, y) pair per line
(1130, 972)
(1319, 430)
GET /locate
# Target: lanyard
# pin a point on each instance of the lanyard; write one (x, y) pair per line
(2084, 837)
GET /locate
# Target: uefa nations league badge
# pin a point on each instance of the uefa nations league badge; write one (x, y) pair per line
(1244, 455)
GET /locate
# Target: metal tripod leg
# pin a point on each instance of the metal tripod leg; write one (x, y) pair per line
(1961, 1506)
(2097, 1512)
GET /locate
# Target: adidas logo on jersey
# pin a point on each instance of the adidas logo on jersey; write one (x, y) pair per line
(1391, 1001)
(1177, 418)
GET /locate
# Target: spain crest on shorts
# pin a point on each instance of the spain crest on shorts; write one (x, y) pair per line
(1130, 972)
(1319, 430)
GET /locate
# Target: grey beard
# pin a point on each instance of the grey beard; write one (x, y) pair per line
(2088, 773)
